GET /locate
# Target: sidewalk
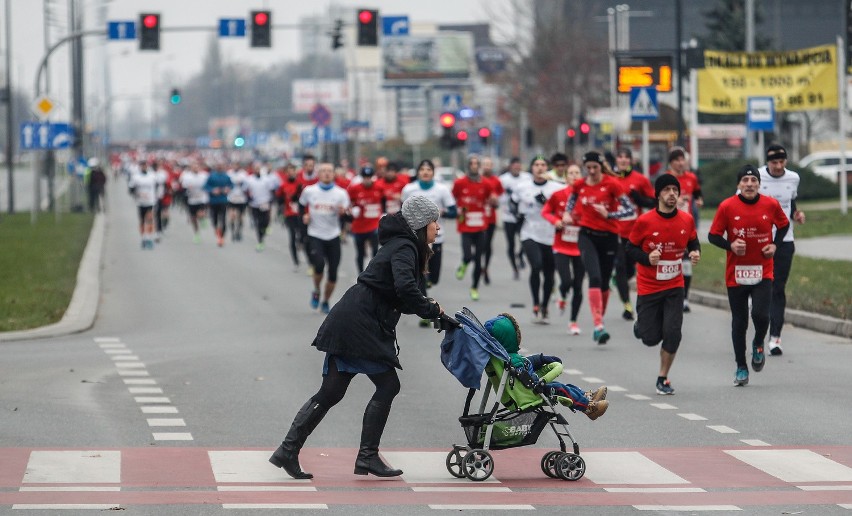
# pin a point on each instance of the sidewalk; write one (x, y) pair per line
(82, 310)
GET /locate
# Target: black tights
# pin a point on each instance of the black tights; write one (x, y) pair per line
(738, 296)
(564, 264)
(335, 383)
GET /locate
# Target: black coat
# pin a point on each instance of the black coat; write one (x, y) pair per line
(363, 323)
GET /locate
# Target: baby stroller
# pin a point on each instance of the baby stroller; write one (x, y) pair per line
(518, 415)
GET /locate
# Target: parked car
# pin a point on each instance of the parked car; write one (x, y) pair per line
(827, 164)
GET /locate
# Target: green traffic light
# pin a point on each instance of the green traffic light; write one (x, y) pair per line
(175, 98)
(239, 141)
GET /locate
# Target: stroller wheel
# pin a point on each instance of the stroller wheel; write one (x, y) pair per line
(454, 463)
(570, 466)
(478, 465)
(548, 463)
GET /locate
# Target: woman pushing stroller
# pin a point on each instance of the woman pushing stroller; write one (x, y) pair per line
(359, 335)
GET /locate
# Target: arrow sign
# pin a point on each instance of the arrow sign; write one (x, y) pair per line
(60, 136)
(44, 135)
(395, 25)
(232, 27)
(121, 30)
(643, 103)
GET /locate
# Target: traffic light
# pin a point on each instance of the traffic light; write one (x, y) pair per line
(571, 134)
(461, 138)
(149, 31)
(368, 27)
(239, 141)
(585, 129)
(337, 35)
(175, 97)
(447, 121)
(484, 134)
(261, 29)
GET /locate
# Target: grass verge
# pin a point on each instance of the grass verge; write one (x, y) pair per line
(39, 263)
(819, 286)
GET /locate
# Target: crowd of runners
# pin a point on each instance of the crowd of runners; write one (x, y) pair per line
(598, 222)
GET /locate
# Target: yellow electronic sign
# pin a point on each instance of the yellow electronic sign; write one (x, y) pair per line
(644, 71)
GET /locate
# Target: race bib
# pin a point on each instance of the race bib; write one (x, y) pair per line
(294, 207)
(474, 219)
(264, 207)
(668, 269)
(373, 211)
(571, 234)
(392, 207)
(145, 196)
(748, 274)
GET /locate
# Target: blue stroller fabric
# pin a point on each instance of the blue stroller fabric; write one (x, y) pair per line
(465, 351)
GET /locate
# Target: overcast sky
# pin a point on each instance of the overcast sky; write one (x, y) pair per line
(181, 54)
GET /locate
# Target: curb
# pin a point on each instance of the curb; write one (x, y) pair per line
(83, 308)
(811, 321)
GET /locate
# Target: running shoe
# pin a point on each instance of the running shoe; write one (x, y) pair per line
(460, 271)
(196, 239)
(474, 294)
(775, 346)
(314, 300)
(664, 387)
(545, 316)
(220, 241)
(516, 275)
(600, 335)
(260, 247)
(758, 359)
(536, 315)
(627, 314)
(686, 308)
(485, 277)
(324, 307)
(561, 305)
(742, 377)
(574, 329)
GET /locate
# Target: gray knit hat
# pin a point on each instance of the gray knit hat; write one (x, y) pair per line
(419, 211)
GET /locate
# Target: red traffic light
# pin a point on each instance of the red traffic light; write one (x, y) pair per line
(150, 21)
(461, 136)
(261, 18)
(570, 133)
(365, 16)
(585, 128)
(447, 120)
(484, 132)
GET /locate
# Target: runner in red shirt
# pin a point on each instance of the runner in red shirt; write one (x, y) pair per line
(565, 249)
(596, 205)
(488, 176)
(657, 243)
(288, 195)
(690, 200)
(743, 227)
(472, 196)
(308, 174)
(391, 185)
(366, 210)
(641, 194)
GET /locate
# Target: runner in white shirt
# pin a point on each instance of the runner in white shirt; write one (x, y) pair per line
(537, 234)
(237, 202)
(193, 181)
(323, 204)
(510, 181)
(782, 184)
(441, 195)
(143, 186)
(261, 196)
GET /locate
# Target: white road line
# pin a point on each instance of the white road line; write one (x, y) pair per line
(117, 358)
(73, 467)
(592, 379)
(693, 417)
(107, 339)
(425, 467)
(627, 468)
(686, 508)
(654, 490)
(172, 436)
(112, 346)
(151, 399)
(722, 429)
(845, 505)
(616, 388)
(74, 506)
(71, 488)
(159, 410)
(825, 488)
(145, 390)
(303, 489)
(794, 465)
(482, 507)
(754, 442)
(166, 422)
(248, 467)
(575, 372)
(274, 506)
(461, 489)
(637, 397)
(140, 381)
(117, 351)
(663, 406)
(133, 372)
(130, 365)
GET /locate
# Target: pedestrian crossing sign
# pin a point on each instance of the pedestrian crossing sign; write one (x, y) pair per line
(643, 103)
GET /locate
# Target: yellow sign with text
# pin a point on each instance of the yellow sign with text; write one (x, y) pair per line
(798, 80)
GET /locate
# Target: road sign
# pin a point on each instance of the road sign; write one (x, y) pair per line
(121, 30)
(761, 114)
(643, 103)
(232, 27)
(320, 115)
(395, 25)
(451, 103)
(43, 106)
(44, 135)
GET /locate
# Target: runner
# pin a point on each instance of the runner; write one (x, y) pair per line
(366, 199)
(487, 172)
(237, 202)
(391, 186)
(657, 242)
(288, 194)
(261, 193)
(143, 187)
(218, 186)
(472, 195)
(743, 227)
(193, 180)
(510, 181)
(690, 198)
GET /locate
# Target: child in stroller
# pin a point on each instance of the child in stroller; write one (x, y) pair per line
(538, 371)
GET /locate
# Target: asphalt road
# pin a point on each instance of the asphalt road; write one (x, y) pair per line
(223, 339)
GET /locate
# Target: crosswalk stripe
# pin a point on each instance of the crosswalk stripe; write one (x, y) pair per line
(482, 507)
(75, 467)
(274, 506)
(627, 468)
(686, 508)
(794, 465)
(70, 506)
(424, 467)
(246, 467)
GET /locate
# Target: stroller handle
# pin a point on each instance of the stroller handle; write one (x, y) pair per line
(445, 322)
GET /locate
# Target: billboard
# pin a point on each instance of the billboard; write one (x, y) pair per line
(309, 92)
(410, 60)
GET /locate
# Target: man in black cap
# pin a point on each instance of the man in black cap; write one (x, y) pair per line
(658, 241)
(743, 226)
(782, 184)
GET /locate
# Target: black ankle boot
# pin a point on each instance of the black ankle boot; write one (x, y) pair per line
(368, 461)
(287, 455)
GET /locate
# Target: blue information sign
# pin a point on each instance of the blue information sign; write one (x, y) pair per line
(121, 30)
(395, 25)
(45, 135)
(232, 27)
